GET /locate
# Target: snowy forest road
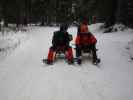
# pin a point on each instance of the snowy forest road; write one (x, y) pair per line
(24, 77)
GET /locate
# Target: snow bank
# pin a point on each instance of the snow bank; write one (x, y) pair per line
(122, 34)
(115, 28)
(10, 40)
(130, 49)
(119, 27)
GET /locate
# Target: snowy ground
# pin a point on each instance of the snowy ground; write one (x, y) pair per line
(24, 77)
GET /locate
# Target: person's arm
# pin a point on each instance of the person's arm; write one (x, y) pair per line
(78, 30)
(77, 41)
(54, 38)
(68, 37)
(93, 39)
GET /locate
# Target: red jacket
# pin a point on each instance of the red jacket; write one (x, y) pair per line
(83, 28)
(85, 39)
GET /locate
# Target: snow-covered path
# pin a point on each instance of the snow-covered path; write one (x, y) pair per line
(24, 77)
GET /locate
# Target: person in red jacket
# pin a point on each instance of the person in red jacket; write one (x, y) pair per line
(85, 41)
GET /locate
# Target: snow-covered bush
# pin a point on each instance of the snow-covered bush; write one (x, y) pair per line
(11, 40)
(119, 27)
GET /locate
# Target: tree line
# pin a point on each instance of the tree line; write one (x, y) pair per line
(46, 12)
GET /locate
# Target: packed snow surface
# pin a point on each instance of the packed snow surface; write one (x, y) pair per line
(23, 76)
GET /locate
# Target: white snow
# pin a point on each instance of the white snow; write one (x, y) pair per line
(130, 49)
(9, 40)
(24, 77)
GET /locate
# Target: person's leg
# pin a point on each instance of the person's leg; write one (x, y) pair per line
(78, 51)
(94, 54)
(69, 55)
(78, 54)
(51, 55)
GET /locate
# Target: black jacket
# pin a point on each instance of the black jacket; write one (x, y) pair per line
(61, 38)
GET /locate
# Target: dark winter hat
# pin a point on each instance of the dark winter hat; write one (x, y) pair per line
(63, 27)
(85, 20)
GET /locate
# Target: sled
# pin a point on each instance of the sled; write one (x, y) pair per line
(58, 56)
(85, 51)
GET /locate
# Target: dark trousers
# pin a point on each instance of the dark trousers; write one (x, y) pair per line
(88, 48)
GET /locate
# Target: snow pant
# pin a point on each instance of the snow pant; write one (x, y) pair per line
(66, 50)
(90, 48)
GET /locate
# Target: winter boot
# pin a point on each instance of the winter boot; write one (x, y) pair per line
(70, 62)
(47, 61)
(96, 61)
(79, 61)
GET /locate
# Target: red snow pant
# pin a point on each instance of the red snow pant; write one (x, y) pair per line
(66, 50)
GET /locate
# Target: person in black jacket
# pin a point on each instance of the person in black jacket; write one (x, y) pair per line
(60, 44)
